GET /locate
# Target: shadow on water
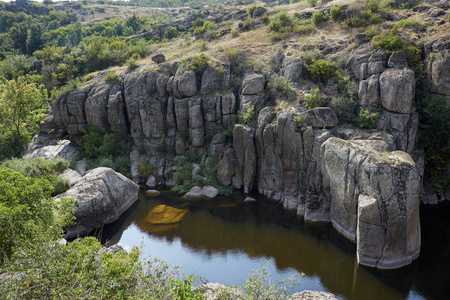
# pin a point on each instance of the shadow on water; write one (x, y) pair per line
(263, 229)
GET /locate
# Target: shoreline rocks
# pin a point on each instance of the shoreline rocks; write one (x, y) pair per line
(100, 196)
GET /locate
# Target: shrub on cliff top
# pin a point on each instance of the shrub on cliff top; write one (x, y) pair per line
(198, 63)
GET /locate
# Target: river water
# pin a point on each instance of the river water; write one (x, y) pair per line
(226, 238)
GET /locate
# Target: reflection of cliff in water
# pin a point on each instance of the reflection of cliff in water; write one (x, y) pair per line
(263, 230)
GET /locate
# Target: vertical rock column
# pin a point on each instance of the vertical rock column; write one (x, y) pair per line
(374, 198)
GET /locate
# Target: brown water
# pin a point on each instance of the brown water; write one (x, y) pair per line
(224, 239)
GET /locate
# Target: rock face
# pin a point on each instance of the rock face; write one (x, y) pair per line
(253, 84)
(374, 200)
(397, 90)
(63, 149)
(316, 170)
(101, 196)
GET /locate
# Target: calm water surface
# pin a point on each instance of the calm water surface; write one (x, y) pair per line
(224, 239)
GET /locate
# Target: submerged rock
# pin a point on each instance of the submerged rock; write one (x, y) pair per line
(152, 193)
(101, 196)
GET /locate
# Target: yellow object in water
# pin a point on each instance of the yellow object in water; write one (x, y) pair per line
(163, 214)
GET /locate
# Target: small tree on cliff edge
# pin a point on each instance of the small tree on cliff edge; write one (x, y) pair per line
(23, 105)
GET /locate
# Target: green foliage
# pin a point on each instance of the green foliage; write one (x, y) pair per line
(282, 26)
(318, 18)
(371, 32)
(112, 78)
(373, 5)
(300, 124)
(392, 42)
(109, 150)
(367, 118)
(145, 169)
(238, 62)
(249, 115)
(259, 285)
(198, 63)
(234, 33)
(182, 188)
(206, 26)
(335, 12)
(183, 175)
(80, 271)
(28, 214)
(132, 63)
(170, 33)
(41, 168)
(434, 130)
(281, 85)
(22, 108)
(321, 70)
(315, 99)
(345, 108)
(312, 2)
(251, 9)
(198, 22)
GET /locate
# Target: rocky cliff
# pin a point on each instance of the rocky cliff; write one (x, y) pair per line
(365, 182)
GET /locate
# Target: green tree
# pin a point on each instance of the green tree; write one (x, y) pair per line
(25, 207)
(19, 35)
(34, 39)
(22, 108)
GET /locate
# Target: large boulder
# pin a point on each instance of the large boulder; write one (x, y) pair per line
(185, 84)
(397, 90)
(63, 149)
(320, 117)
(101, 196)
(440, 73)
(253, 84)
(292, 69)
(374, 200)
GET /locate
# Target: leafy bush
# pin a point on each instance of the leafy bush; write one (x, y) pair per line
(300, 124)
(198, 63)
(281, 85)
(182, 188)
(23, 105)
(318, 18)
(249, 115)
(315, 99)
(251, 9)
(112, 78)
(41, 168)
(207, 26)
(392, 42)
(107, 162)
(29, 215)
(335, 12)
(132, 63)
(238, 62)
(345, 108)
(183, 174)
(321, 70)
(80, 271)
(260, 286)
(367, 118)
(371, 32)
(373, 5)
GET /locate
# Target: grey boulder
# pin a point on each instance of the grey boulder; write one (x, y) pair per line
(101, 196)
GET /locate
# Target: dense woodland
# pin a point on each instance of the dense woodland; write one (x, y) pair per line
(47, 49)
